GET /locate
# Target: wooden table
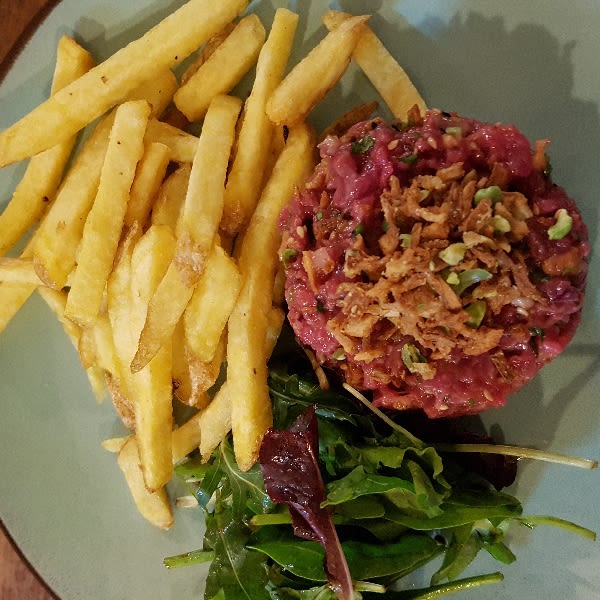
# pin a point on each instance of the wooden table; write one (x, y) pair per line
(18, 19)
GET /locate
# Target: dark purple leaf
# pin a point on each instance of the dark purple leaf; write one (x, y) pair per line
(291, 472)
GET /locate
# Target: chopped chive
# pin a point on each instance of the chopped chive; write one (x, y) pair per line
(363, 145)
(408, 159)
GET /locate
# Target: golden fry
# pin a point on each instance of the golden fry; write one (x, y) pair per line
(223, 69)
(151, 387)
(382, 69)
(311, 79)
(245, 178)
(213, 43)
(196, 228)
(18, 270)
(57, 239)
(215, 422)
(181, 144)
(211, 304)
(170, 198)
(105, 221)
(157, 91)
(149, 176)
(248, 323)
(203, 207)
(153, 506)
(44, 172)
(104, 86)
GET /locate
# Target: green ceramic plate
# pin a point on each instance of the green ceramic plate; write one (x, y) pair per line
(63, 498)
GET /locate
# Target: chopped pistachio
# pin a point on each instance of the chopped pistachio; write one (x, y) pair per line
(411, 356)
(501, 224)
(405, 240)
(476, 311)
(470, 277)
(453, 254)
(452, 278)
(339, 354)
(563, 225)
(456, 131)
(493, 192)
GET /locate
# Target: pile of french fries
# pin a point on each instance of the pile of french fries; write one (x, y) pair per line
(157, 247)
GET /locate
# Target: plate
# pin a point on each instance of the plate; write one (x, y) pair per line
(63, 498)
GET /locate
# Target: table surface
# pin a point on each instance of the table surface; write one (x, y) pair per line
(18, 19)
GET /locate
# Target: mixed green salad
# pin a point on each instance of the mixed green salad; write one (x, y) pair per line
(346, 502)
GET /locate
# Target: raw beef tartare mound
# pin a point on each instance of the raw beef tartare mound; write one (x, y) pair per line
(434, 263)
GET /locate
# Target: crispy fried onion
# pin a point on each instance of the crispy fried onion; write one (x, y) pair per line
(447, 263)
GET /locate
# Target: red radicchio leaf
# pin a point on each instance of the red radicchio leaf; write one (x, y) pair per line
(288, 460)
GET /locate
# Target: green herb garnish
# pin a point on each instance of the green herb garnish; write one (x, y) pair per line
(363, 145)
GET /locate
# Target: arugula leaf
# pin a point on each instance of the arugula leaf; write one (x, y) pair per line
(396, 503)
(367, 561)
(236, 571)
(360, 483)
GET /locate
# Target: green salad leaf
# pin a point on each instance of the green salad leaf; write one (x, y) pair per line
(397, 503)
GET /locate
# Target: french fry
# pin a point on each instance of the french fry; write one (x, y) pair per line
(275, 321)
(208, 49)
(248, 323)
(245, 179)
(209, 308)
(215, 422)
(185, 387)
(152, 386)
(57, 238)
(203, 207)
(310, 80)
(39, 181)
(158, 91)
(105, 220)
(204, 373)
(149, 176)
(18, 270)
(382, 69)
(170, 198)
(192, 377)
(186, 438)
(104, 86)
(115, 444)
(183, 145)
(105, 353)
(196, 228)
(153, 506)
(44, 171)
(223, 69)
(164, 311)
(118, 302)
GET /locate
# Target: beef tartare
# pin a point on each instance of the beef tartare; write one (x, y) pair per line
(434, 262)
